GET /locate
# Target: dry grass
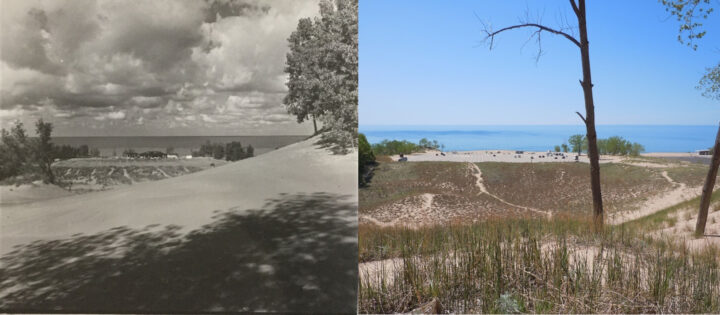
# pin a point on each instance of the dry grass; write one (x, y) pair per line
(692, 174)
(92, 174)
(566, 186)
(534, 266)
(399, 191)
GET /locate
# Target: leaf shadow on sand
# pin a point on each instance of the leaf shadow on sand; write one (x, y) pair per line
(296, 254)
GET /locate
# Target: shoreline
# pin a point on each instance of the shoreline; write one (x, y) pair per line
(513, 156)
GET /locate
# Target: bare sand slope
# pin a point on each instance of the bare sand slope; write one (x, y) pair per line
(12, 195)
(188, 201)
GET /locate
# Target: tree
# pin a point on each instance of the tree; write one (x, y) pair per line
(218, 152)
(169, 150)
(365, 158)
(303, 85)
(557, 148)
(323, 70)
(14, 151)
(250, 151)
(586, 84)
(95, 152)
(688, 12)
(576, 142)
(564, 147)
(44, 149)
(710, 83)
(83, 150)
(234, 151)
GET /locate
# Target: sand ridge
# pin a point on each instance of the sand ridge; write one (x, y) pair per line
(190, 200)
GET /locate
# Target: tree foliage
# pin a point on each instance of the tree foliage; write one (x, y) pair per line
(365, 158)
(687, 12)
(618, 146)
(576, 143)
(323, 70)
(14, 151)
(710, 83)
(22, 155)
(393, 147)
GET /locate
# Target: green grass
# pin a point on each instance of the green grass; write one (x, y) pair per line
(666, 217)
(691, 175)
(566, 186)
(535, 265)
(532, 265)
(394, 181)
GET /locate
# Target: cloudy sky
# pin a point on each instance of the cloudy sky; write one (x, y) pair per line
(97, 68)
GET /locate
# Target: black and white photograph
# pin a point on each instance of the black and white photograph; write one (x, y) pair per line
(178, 156)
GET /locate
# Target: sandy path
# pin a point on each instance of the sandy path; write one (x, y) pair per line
(475, 170)
(188, 201)
(679, 194)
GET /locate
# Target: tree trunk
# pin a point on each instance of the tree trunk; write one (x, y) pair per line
(589, 118)
(708, 188)
(314, 124)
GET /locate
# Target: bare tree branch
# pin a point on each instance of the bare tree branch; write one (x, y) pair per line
(575, 7)
(581, 117)
(491, 34)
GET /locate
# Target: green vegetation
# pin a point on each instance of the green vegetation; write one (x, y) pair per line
(20, 155)
(578, 143)
(536, 266)
(232, 151)
(611, 146)
(394, 147)
(366, 157)
(323, 71)
(393, 181)
(566, 186)
(666, 217)
(619, 146)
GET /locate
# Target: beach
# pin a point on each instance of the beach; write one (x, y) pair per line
(512, 156)
(507, 156)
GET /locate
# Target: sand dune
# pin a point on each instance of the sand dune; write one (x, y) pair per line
(276, 232)
(188, 201)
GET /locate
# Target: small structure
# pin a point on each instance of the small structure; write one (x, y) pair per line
(519, 152)
(188, 157)
(702, 152)
(172, 156)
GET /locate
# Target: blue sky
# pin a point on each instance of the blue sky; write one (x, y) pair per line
(423, 63)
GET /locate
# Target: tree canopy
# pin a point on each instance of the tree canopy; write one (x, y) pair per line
(323, 70)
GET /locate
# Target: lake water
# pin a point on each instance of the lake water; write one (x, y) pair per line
(655, 138)
(182, 145)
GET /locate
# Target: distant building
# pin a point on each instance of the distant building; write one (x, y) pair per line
(172, 156)
(702, 152)
(519, 152)
(188, 157)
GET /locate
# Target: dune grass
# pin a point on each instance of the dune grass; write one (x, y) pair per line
(394, 181)
(566, 186)
(535, 265)
(526, 265)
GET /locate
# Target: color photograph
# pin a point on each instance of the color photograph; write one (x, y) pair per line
(539, 157)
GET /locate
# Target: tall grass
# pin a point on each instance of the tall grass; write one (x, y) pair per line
(534, 265)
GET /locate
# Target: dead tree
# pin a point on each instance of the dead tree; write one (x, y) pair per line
(708, 188)
(586, 83)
